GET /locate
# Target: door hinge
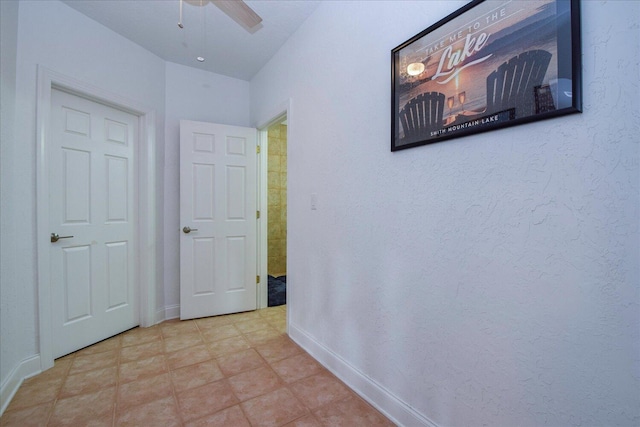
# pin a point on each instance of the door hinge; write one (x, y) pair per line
(257, 214)
(257, 149)
(257, 279)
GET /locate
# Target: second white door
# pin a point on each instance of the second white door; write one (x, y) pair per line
(217, 219)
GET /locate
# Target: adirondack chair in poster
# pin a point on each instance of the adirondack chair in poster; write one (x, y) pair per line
(421, 115)
(514, 84)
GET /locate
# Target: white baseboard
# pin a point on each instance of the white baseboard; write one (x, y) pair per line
(172, 312)
(27, 368)
(378, 396)
(169, 312)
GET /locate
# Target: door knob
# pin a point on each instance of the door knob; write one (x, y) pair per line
(188, 230)
(55, 237)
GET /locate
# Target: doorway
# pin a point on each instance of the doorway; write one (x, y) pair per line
(277, 213)
(281, 113)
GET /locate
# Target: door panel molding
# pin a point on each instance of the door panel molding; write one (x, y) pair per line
(146, 221)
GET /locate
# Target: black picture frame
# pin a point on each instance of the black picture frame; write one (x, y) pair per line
(511, 62)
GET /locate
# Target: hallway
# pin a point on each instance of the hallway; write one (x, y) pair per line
(235, 370)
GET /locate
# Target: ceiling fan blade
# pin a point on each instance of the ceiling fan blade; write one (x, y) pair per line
(239, 12)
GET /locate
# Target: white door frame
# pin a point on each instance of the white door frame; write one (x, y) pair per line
(285, 109)
(146, 209)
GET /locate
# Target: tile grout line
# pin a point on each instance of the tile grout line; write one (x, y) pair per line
(225, 377)
(283, 383)
(114, 411)
(65, 375)
(171, 378)
(254, 347)
(242, 410)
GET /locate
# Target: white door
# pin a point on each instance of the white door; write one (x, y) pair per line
(91, 199)
(217, 219)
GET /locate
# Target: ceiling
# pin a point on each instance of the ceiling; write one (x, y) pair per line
(228, 48)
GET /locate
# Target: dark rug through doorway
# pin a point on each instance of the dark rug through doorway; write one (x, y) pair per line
(277, 291)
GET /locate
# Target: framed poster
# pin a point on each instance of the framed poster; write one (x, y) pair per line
(490, 64)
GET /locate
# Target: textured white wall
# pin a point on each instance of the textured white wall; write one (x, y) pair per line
(56, 36)
(191, 94)
(9, 289)
(487, 280)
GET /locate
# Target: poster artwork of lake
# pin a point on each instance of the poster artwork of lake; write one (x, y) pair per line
(459, 55)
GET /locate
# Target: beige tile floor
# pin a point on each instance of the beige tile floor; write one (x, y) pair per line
(236, 370)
